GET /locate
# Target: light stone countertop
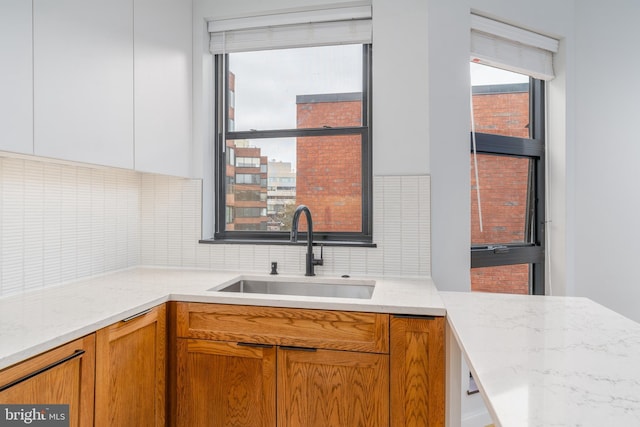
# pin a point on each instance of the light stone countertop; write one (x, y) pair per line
(538, 361)
(549, 361)
(37, 321)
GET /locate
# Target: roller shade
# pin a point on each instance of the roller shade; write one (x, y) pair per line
(346, 25)
(511, 48)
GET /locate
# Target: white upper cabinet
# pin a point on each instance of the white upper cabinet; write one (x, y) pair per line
(83, 80)
(162, 86)
(16, 77)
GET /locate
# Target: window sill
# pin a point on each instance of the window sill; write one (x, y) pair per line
(286, 242)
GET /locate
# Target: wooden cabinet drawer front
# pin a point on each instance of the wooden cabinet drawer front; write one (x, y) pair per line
(338, 330)
(64, 376)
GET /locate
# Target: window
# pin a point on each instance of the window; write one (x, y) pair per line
(246, 178)
(507, 182)
(293, 128)
(508, 155)
(248, 162)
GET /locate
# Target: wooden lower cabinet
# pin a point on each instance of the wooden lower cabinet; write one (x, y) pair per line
(224, 384)
(245, 366)
(417, 371)
(131, 371)
(64, 375)
(319, 388)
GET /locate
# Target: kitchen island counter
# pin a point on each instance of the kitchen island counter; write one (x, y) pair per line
(545, 361)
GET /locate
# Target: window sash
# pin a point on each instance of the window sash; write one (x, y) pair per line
(534, 148)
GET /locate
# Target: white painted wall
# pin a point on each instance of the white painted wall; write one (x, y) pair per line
(607, 152)
(448, 139)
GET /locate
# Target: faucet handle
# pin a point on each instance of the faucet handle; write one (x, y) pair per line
(319, 261)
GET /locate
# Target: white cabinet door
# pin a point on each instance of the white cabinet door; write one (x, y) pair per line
(83, 80)
(162, 40)
(16, 77)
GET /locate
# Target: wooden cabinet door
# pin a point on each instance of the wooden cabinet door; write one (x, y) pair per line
(131, 371)
(64, 375)
(225, 384)
(323, 388)
(417, 372)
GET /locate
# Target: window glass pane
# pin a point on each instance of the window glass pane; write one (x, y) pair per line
(284, 89)
(505, 193)
(509, 279)
(500, 101)
(322, 172)
(329, 181)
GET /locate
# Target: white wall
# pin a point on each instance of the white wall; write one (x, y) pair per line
(607, 152)
(448, 139)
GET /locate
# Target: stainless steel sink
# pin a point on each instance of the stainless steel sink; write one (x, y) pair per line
(360, 289)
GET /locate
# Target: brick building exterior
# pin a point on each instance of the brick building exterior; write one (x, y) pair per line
(329, 173)
(246, 188)
(246, 180)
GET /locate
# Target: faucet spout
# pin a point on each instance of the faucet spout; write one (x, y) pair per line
(311, 261)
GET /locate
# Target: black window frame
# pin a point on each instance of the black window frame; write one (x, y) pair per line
(533, 148)
(364, 237)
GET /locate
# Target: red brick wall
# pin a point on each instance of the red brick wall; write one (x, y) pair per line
(502, 113)
(329, 178)
(319, 114)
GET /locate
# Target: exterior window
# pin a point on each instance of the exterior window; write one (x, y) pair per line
(303, 138)
(250, 212)
(507, 200)
(248, 162)
(247, 178)
(229, 215)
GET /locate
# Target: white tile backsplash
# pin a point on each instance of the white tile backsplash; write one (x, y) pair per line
(171, 215)
(61, 222)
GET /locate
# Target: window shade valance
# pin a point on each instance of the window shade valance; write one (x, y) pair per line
(511, 48)
(345, 25)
